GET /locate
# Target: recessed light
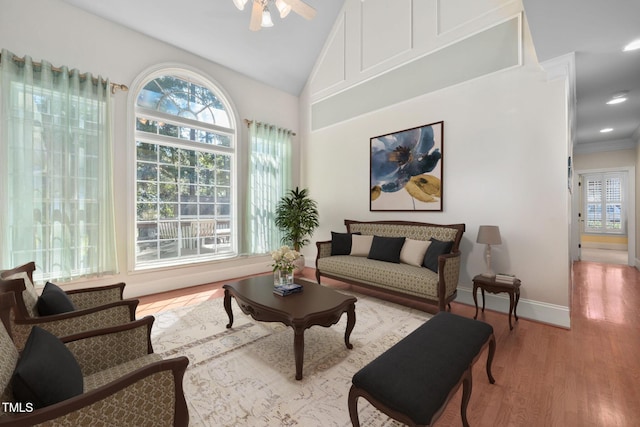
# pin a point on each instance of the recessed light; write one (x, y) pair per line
(632, 46)
(617, 100)
(605, 130)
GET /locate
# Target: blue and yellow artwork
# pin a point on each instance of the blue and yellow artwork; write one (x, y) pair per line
(406, 170)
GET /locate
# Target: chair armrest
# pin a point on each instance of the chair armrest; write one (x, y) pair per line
(16, 286)
(75, 322)
(93, 297)
(448, 273)
(101, 349)
(151, 395)
(28, 268)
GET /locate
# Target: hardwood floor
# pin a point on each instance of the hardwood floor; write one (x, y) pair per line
(545, 376)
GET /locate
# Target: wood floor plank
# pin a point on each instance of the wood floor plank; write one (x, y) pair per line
(545, 376)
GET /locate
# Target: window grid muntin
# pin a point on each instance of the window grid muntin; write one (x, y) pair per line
(604, 203)
(190, 182)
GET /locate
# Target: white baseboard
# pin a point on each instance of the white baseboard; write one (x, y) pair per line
(552, 314)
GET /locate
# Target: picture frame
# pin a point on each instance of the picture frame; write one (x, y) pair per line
(406, 169)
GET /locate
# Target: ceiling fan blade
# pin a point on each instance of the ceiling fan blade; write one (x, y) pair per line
(301, 8)
(256, 16)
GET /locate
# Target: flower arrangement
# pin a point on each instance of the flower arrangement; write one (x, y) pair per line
(283, 259)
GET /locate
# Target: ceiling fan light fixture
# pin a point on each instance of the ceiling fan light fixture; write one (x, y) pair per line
(606, 130)
(283, 8)
(266, 18)
(634, 45)
(240, 3)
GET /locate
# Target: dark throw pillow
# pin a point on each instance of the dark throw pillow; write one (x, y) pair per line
(436, 248)
(46, 372)
(341, 243)
(386, 248)
(53, 301)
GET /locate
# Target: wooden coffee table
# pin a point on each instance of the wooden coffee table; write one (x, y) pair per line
(315, 305)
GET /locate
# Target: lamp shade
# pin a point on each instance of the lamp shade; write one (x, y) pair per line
(489, 235)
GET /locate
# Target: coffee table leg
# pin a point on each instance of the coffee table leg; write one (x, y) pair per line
(227, 307)
(351, 322)
(298, 350)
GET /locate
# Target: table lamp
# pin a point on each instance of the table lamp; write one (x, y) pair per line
(489, 235)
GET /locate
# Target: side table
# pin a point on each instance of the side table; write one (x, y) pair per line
(490, 284)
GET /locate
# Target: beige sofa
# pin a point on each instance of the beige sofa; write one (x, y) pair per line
(434, 287)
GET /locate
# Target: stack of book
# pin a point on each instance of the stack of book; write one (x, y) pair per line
(288, 289)
(505, 278)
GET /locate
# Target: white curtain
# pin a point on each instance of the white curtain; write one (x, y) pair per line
(270, 165)
(56, 166)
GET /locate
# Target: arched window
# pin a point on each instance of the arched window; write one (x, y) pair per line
(185, 171)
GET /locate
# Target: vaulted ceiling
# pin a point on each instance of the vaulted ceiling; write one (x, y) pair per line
(283, 56)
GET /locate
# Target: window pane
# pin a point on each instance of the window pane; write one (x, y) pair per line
(604, 203)
(184, 207)
(179, 97)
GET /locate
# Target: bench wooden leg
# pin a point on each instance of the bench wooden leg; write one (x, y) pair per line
(492, 351)
(353, 407)
(467, 385)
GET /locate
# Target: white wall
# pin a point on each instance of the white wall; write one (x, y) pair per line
(505, 163)
(63, 35)
(605, 160)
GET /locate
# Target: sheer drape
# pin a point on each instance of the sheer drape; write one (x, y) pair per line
(56, 160)
(269, 179)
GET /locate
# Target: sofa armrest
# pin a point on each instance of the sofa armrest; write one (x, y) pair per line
(97, 296)
(101, 349)
(448, 273)
(151, 395)
(324, 249)
(75, 322)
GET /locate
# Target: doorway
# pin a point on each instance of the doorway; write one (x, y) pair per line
(604, 211)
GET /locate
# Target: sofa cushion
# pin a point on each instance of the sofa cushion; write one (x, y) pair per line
(406, 278)
(53, 300)
(436, 248)
(46, 372)
(341, 243)
(386, 248)
(105, 376)
(360, 245)
(413, 251)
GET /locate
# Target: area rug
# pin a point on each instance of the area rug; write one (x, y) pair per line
(245, 376)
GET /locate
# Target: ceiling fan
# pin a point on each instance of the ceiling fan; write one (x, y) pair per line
(261, 16)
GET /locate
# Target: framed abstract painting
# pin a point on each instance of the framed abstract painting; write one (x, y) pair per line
(406, 170)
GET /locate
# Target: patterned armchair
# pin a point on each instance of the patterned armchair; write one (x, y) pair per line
(122, 381)
(95, 308)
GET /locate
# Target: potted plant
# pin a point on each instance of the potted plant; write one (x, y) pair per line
(297, 216)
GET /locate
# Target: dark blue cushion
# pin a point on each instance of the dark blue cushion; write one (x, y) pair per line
(386, 248)
(341, 243)
(435, 249)
(53, 301)
(416, 375)
(46, 372)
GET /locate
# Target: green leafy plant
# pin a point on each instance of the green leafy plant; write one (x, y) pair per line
(297, 216)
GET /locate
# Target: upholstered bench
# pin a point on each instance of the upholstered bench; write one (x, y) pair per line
(413, 380)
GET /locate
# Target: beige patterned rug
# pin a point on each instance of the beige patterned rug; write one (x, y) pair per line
(245, 376)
